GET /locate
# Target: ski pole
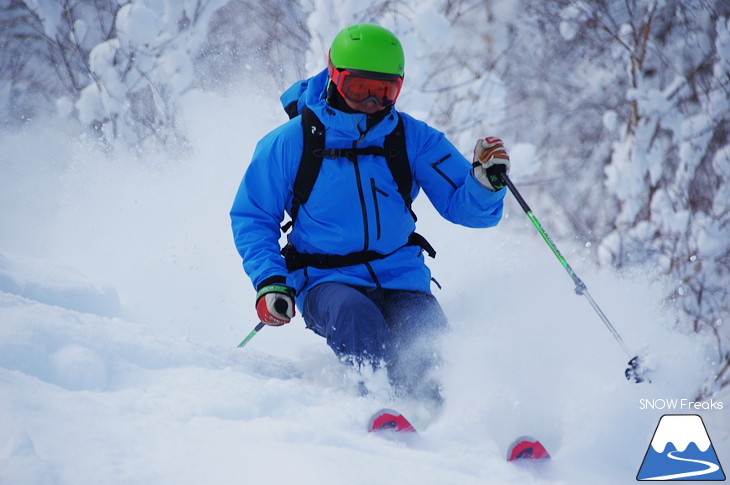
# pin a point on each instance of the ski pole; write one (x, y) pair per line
(251, 334)
(632, 372)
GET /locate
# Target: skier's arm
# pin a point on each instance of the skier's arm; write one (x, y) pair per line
(448, 179)
(259, 206)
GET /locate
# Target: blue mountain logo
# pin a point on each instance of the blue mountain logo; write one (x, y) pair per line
(680, 450)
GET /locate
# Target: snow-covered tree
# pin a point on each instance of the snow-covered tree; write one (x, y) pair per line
(669, 171)
(265, 40)
(634, 94)
(45, 50)
(121, 67)
(138, 75)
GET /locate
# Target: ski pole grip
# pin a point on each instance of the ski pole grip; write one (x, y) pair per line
(518, 197)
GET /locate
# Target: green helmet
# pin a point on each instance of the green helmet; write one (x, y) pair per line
(367, 47)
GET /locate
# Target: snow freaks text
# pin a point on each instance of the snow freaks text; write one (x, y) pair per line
(680, 405)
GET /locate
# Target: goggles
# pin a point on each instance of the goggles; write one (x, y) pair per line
(361, 86)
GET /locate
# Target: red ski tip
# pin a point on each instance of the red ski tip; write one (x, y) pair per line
(527, 448)
(389, 420)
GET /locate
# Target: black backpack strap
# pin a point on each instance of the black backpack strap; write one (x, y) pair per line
(351, 153)
(396, 155)
(313, 152)
(292, 109)
(310, 164)
(296, 260)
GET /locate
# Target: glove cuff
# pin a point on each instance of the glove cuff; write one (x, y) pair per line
(274, 288)
(272, 280)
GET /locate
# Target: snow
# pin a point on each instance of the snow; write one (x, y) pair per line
(681, 431)
(570, 16)
(49, 13)
(122, 300)
(138, 24)
(610, 120)
(529, 162)
(122, 297)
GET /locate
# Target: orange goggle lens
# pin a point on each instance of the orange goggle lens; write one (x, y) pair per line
(360, 87)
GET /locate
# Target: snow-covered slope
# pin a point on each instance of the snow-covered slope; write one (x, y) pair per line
(122, 300)
(92, 399)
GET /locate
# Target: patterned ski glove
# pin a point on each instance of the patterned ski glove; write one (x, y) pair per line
(490, 161)
(275, 304)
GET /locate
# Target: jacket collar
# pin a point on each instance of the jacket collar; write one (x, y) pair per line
(342, 125)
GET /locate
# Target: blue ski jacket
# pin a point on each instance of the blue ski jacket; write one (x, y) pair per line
(354, 205)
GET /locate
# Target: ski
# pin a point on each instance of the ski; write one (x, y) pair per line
(389, 420)
(526, 448)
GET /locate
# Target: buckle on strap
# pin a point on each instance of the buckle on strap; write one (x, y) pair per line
(349, 153)
(416, 239)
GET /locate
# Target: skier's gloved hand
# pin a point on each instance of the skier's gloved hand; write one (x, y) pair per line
(275, 303)
(490, 161)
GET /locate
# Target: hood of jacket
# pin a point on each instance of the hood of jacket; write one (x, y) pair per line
(342, 127)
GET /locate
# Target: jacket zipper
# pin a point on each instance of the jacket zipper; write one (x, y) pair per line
(375, 191)
(361, 194)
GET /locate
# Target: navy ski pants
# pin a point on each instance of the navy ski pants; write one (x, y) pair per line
(368, 326)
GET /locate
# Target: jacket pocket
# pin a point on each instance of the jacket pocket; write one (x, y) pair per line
(377, 192)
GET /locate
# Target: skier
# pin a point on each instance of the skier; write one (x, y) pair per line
(346, 168)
